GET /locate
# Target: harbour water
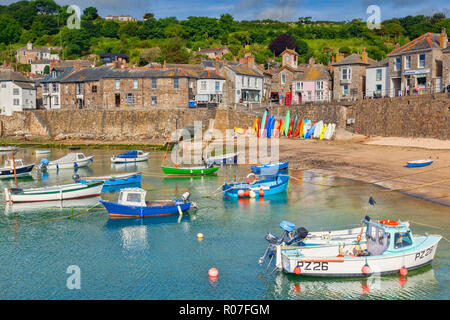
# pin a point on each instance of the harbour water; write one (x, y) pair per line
(161, 258)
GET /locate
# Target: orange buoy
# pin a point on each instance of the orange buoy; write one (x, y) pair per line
(240, 193)
(261, 193)
(297, 270)
(213, 273)
(199, 235)
(358, 238)
(365, 269)
(403, 271)
(246, 192)
(389, 222)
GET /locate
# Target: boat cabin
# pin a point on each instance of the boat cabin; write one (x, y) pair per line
(9, 163)
(388, 235)
(132, 197)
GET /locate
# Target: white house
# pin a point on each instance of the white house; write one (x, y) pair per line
(209, 88)
(247, 84)
(51, 87)
(17, 93)
(38, 66)
(377, 79)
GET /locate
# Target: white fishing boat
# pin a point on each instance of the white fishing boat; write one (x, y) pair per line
(390, 248)
(41, 152)
(131, 156)
(78, 204)
(54, 193)
(21, 169)
(8, 148)
(229, 158)
(69, 161)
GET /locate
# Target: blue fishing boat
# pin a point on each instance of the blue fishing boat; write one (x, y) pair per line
(418, 163)
(271, 168)
(132, 204)
(113, 180)
(268, 186)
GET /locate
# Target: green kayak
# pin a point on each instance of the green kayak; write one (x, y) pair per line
(189, 171)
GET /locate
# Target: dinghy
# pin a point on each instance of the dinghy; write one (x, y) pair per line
(21, 169)
(189, 171)
(131, 156)
(69, 161)
(268, 187)
(418, 163)
(41, 152)
(132, 203)
(229, 158)
(390, 248)
(54, 193)
(8, 148)
(113, 180)
(271, 168)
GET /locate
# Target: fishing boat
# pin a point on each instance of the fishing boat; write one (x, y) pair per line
(189, 171)
(40, 152)
(69, 161)
(112, 180)
(8, 148)
(271, 168)
(131, 156)
(418, 163)
(260, 188)
(390, 248)
(54, 193)
(132, 203)
(21, 169)
(229, 158)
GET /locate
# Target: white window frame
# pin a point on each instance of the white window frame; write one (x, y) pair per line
(407, 62)
(135, 84)
(348, 75)
(424, 60)
(397, 64)
(154, 83)
(299, 86)
(380, 72)
(176, 83)
(117, 84)
(283, 78)
(203, 85)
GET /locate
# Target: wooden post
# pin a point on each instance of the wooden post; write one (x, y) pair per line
(14, 167)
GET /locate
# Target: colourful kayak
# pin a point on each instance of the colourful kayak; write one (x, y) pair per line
(287, 121)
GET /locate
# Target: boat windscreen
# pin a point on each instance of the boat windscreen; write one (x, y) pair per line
(129, 154)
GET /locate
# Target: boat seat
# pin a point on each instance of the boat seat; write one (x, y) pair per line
(157, 203)
(16, 190)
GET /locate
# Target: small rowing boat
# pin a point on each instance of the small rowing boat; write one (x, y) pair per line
(113, 180)
(54, 193)
(21, 169)
(268, 187)
(39, 152)
(229, 158)
(132, 203)
(271, 168)
(8, 148)
(131, 156)
(189, 171)
(418, 163)
(69, 161)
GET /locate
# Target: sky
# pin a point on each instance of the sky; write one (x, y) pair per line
(283, 10)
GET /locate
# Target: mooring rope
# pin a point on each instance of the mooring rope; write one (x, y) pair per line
(66, 217)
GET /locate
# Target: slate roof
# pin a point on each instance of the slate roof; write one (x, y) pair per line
(24, 85)
(89, 74)
(13, 76)
(381, 63)
(211, 64)
(245, 71)
(61, 74)
(313, 72)
(354, 59)
(207, 74)
(425, 42)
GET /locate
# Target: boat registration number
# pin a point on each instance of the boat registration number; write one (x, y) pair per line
(313, 266)
(424, 253)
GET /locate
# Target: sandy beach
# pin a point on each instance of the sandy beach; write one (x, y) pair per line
(381, 161)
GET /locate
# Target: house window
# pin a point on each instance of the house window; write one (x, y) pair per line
(135, 84)
(154, 100)
(67, 89)
(243, 81)
(379, 87)
(129, 98)
(203, 85)
(55, 100)
(408, 62)
(54, 87)
(217, 85)
(117, 84)
(30, 61)
(45, 88)
(397, 65)
(299, 85)
(421, 60)
(175, 83)
(346, 73)
(309, 95)
(153, 83)
(16, 92)
(248, 82)
(319, 95)
(79, 88)
(283, 79)
(94, 89)
(24, 53)
(379, 74)
(16, 102)
(345, 89)
(3, 85)
(319, 85)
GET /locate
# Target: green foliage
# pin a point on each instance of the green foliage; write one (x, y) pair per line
(9, 30)
(174, 51)
(47, 69)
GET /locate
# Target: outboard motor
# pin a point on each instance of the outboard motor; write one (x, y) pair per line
(300, 234)
(185, 197)
(274, 240)
(43, 164)
(76, 177)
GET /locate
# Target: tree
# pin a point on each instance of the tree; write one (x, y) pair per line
(110, 29)
(345, 50)
(174, 51)
(280, 43)
(47, 69)
(90, 13)
(9, 30)
(148, 16)
(175, 31)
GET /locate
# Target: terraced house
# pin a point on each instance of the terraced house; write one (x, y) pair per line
(312, 85)
(417, 67)
(17, 93)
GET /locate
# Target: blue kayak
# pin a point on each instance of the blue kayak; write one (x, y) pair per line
(116, 180)
(418, 163)
(270, 186)
(272, 168)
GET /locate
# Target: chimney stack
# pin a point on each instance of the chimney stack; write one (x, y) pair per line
(311, 61)
(164, 65)
(444, 39)
(339, 57)
(217, 65)
(364, 56)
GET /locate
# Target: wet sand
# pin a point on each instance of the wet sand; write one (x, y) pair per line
(382, 165)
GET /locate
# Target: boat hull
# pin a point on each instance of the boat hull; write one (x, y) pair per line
(350, 266)
(117, 210)
(114, 180)
(21, 171)
(55, 193)
(144, 157)
(412, 164)
(230, 158)
(267, 169)
(269, 187)
(189, 171)
(71, 165)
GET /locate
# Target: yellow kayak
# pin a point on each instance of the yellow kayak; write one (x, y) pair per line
(323, 131)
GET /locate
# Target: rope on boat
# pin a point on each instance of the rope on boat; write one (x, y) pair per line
(66, 217)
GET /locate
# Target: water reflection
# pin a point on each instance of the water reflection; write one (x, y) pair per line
(416, 285)
(130, 167)
(117, 188)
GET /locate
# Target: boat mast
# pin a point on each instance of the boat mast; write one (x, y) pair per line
(14, 167)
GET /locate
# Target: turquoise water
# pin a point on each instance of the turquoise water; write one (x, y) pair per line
(161, 258)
